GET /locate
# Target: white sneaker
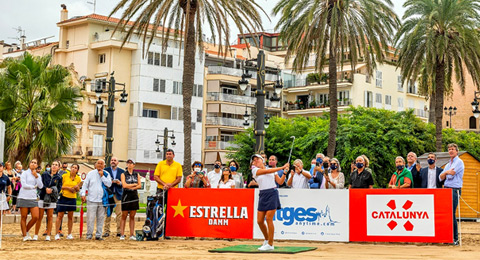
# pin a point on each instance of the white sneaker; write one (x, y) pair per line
(69, 237)
(47, 238)
(266, 247)
(35, 238)
(265, 242)
(133, 238)
(57, 237)
(122, 237)
(27, 238)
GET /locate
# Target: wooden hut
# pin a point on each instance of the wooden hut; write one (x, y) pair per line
(471, 182)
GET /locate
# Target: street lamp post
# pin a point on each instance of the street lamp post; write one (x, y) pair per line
(100, 85)
(451, 111)
(165, 141)
(261, 121)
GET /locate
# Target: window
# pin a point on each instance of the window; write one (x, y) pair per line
(170, 61)
(400, 104)
(164, 60)
(368, 99)
(388, 100)
(378, 81)
(399, 83)
(378, 100)
(194, 126)
(177, 113)
(97, 145)
(200, 91)
(230, 90)
(146, 154)
(101, 58)
(156, 83)
(150, 113)
(199, 116)
(157, 59)
(322, 99)
(177, 87)
(412, 87)
(472, 122)
(150, 58)
(162, 85)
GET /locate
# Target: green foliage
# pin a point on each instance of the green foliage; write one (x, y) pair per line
(379, 134)
(37, 105)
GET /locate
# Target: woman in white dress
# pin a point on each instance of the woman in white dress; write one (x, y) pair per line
(335, 179)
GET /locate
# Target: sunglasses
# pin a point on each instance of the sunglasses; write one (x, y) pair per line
(199, 165)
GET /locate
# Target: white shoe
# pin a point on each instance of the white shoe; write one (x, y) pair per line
(27, 238)
(266, 247)
(69, 237)
(57, 237)
(265, 242)
(122, 237)
(133, 238)
(35, 238)
(47, 238)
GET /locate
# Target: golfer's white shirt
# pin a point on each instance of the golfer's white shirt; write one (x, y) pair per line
(265, 181)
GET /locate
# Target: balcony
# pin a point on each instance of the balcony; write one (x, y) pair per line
(246, 100)
(223, 121)
(219, 145)
(238, 72)
(95, 152)
(305, 109)
(97, 119)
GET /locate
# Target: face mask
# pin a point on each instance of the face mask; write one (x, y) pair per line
(48, 169)
(431, 161)
(312, 166)
(197, 169)
(233, 168)
(217, 166)
(400, 167)
(333, 166)
(359, 165)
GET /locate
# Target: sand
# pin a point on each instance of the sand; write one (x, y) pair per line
(179, 248)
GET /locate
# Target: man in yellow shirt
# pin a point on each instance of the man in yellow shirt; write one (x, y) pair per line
(168, 174)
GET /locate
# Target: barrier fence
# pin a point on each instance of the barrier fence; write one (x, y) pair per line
(380, 215)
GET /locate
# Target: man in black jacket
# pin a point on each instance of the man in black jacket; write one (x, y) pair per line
(429, 175)
(414, 167)
(117, 190)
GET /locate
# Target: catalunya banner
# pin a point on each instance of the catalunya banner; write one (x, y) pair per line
(219, 213)
(306, 214)
(405, 215)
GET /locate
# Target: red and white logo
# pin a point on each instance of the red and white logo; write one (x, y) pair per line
(400, 215)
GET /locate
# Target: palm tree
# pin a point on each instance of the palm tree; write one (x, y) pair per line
(184, 19)
(37, 105)
(442, 36)
(331, 29)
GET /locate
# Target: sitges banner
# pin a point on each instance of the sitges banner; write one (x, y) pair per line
(412, 215)
(310, 215)
(221, 213)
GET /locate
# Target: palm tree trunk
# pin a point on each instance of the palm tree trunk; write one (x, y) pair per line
(431, 112)
(332, 92)
(188, 78)
(439, 91)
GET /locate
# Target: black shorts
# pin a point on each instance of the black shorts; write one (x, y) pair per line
(269, 200)
(65, 204)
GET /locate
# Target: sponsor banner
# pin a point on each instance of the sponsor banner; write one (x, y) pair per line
(411, 215)
(221, 213)
(310, 215)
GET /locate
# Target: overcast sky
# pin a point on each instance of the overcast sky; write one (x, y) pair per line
(39, 18)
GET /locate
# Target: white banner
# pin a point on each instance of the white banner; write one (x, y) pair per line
(400, 215)
(306, 214)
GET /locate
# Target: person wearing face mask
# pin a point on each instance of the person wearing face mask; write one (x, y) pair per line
(402, 177)
(430, 175)
(335, 178)
(237, 176)
(361, 178)
(197, 179)
(216, 174)
(318, 171)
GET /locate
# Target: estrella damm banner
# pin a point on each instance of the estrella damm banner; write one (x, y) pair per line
(220, 213)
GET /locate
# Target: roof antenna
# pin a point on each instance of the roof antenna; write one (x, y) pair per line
(94, 3)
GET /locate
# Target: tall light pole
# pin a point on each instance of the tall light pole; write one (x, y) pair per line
(475, 104)
(100, 85)
(451, 111)
(260, 123)
(165, 141)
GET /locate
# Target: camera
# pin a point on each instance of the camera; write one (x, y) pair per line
(325, 165)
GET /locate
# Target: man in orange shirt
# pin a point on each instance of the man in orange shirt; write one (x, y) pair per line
(168, 174)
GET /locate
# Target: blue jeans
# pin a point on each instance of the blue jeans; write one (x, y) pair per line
(455, 198)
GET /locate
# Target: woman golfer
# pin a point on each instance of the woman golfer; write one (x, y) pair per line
(269, 200)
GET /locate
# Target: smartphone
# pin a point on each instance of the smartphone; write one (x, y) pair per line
(319, 161)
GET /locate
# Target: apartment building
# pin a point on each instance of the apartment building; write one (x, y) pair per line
(225, 103)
